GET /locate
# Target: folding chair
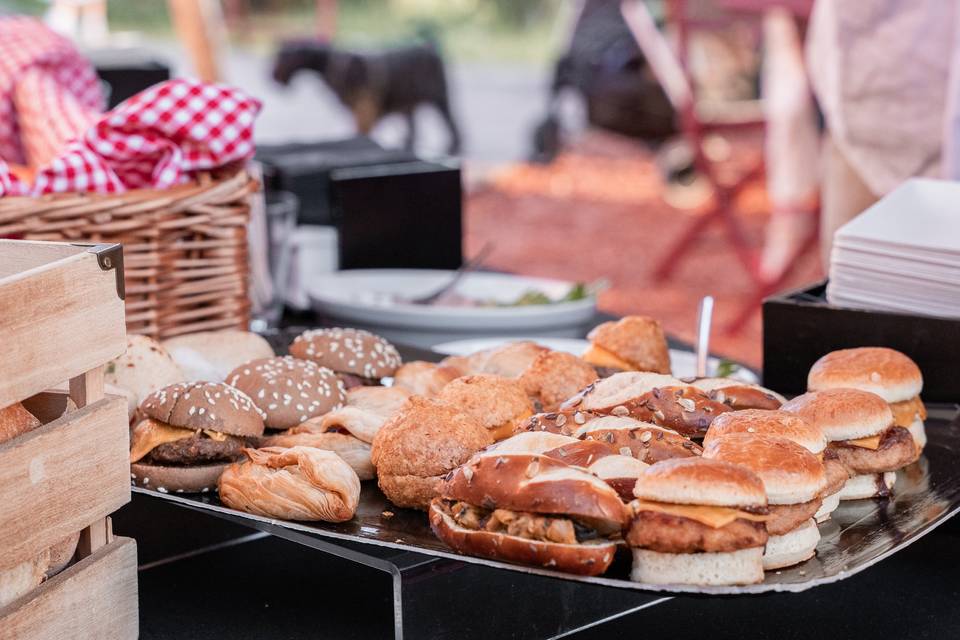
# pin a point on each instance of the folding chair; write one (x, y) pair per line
(698, 120)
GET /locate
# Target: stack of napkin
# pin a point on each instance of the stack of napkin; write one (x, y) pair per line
(902, 254)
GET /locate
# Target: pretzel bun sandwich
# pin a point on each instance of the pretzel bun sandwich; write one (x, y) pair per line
(633, 343)
(861, 436)
(649, 397)
(794, 480)
(417, 447)
(792, 427)
(498, 404)
(555, 376)
(888, 373)
(646, 442)
(288, 391)
(530, 509)
(190, 432)
(697, 521)
(738, 394)
(357, 356)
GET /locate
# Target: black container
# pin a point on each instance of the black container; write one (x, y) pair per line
(800, 326)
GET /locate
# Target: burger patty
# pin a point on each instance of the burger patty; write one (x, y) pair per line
(666, 533)
(837, 473)
(197, 449)
(784, 518)
(896, 450)
(530, 526)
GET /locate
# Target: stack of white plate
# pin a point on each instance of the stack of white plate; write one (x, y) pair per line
(902, 254)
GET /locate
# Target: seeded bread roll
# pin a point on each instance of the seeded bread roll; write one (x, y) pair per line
(214, 406)
(633, 343)
(288, 391)
(555, 376)
(498, 404)
(352, 351)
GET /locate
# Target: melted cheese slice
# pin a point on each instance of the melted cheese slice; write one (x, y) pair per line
(904, 413)
(600, 357)
(872, 443)
(715, 517)
(150, 434)
(510, 427)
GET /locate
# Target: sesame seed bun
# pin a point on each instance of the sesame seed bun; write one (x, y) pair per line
(637, 340)
(790, 474)
(496, 403)
(699, 481)
(888, 373)
(288, 391)
(843, 414)
(773, 423)
(205, 405)
(170, 479)
(353, 351)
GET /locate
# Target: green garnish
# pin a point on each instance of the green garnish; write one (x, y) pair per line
(727, 368)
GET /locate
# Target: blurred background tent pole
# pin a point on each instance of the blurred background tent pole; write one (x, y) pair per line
(200, 27)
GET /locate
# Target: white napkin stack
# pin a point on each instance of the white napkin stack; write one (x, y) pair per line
(902, 254)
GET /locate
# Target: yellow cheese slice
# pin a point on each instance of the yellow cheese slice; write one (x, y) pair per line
(510, 427)
(600, 357)
(873, 442)
(715, 517)
(150, 434)
(904, 413)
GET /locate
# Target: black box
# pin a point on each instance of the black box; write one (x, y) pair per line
(405, 215)
(305, 169)
(800, 326)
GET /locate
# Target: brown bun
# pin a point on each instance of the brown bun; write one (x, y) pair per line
(16, 420)
(424, 378)
(288, 391)
(843, 414)
(143, 368)
(647, 442)
(699, 481)
(790, 473)
(211, 355)
(535, 483)
(738, 394)
(554, 376)
(509, 361)
(590, 559)
(888, 373)
(353, 351)
(205, 405)
(425, 440)
(496, 403)
(772, 423)
(637, 340)
(192, 479)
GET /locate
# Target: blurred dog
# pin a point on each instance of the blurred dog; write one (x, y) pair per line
(373, 85)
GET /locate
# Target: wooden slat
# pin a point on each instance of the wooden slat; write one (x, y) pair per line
(57, 321)
(63, 476)
(94, 598)
(87, 387)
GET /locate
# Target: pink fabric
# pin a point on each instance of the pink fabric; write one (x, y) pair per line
(28, 47)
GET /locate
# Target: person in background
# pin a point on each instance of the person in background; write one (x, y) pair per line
(885, 74)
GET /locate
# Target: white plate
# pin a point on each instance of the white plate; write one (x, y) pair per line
(683, 363)
(364, 295)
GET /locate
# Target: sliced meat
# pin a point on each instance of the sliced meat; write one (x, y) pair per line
(667, 533)
(787, 517)
(896, 450)
(198, 449)
(530, 526)
(837, 473)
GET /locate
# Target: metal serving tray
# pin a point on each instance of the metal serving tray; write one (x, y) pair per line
(860, 533)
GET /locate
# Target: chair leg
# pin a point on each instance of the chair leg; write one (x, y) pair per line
(664, 268)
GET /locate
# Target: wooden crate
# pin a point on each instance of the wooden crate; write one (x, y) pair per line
(62, 319)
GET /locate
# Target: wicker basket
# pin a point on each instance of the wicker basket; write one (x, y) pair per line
(185, 248)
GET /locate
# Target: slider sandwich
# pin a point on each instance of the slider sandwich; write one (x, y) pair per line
(888, 373)
(792, 427)
(794, 480)
(530, 509)
(359, 357)
(649, 397)
(633, 343)
(862, 437)
(697, 521)
(738, 394)
(644, 441)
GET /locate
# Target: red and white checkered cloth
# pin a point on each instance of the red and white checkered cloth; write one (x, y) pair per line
(42, 70)
(156, 139)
